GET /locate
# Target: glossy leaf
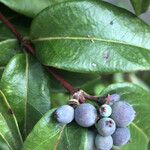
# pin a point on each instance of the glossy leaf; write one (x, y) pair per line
(48, 134)
(9, 130)
(29, 8)
(26, 85)
(140, 6)
(139, 98)
(8, 48)
(103, 38)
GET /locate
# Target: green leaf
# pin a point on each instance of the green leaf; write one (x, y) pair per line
(3, 145)
(58, 99)
(8, 48)
(8, 44)
(1, 71)
(26, 85)
(140, 129)
(140, 6)
(29, 8)
(139, 98)
(138, 139)
(9, 131)
(48, 134)
(103, 38)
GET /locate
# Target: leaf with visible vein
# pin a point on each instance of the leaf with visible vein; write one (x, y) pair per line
(9, 130)
(49, 134)
(103, 38)
(8, 48)
(27, 87)
(8, 44)
(139, 98)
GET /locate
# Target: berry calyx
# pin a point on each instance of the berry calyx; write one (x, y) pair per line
(105, 110)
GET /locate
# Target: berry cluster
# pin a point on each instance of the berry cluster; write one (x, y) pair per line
(111, 120)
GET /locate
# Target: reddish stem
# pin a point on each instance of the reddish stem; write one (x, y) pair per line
(24, 43)
(27, 45)
(62, 81)
(11, 27)
(29, 49)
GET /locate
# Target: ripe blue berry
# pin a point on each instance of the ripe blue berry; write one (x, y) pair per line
(103, 143)
(85, 115)
(64, 114)
(121, 136)
(105, 110)
(122, 113)
(112, 98)
(106, 126)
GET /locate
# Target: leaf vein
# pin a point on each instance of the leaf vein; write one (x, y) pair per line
(86, 39)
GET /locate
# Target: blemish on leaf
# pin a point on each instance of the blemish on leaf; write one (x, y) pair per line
(111, 22)
(106, 56)
(91, 39)
(10, 111)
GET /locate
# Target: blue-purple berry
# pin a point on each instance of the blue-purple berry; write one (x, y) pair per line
(85, 115)
(106, 126)
(122, 113)
(112, 98)
(105, 110)
(64, 114)
(103, 143)
(121, 136)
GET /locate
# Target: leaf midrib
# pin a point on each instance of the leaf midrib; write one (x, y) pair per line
(26, 92)
(141, 131)
(8, 40)
(92, 39)
(15, 120)
(60, 133)
(6, 141)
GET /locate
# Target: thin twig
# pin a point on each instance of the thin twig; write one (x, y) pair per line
(27, 45)
(62, 81)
